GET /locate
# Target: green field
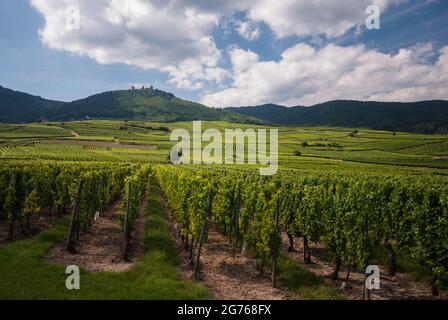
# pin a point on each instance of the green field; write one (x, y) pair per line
(324, 146)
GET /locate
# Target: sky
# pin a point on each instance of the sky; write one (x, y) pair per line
(227, 52)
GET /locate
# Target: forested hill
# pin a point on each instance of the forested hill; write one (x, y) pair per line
(422, 117)
(22, 107)
(146, 104)
(159, 106)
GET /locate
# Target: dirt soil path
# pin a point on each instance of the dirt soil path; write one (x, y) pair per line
(225, 271)
(400, 287)
(99, 250)
(75, 134)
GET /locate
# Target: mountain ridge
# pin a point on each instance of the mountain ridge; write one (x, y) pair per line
(422, 117)
(139, 104)
(158, 106)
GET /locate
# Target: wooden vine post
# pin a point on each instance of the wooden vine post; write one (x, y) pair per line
(191, 254)
(366, 291)
(73, 231)
(237, 218)
(126, 230)
(275, 246)
(201, 237)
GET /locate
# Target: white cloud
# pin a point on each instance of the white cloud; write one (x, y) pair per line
(191, 75)
(144, 33)
(242, 60)
(163, 35)
(248, 30)
(317, 17)
(306, 76)
(298, 17)
(175, 36)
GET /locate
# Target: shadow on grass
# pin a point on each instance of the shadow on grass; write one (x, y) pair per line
(304, 283)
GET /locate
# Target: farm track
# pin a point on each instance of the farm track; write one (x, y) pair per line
(225, 271)
(99, 249)
(75, 134)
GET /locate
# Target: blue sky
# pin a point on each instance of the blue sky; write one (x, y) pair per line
(228, 53)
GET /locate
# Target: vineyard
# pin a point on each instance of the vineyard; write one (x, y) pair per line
(332, 191)
(135, 141)
(350, 214)
(68, 152)
(224, 159)
(87, 188)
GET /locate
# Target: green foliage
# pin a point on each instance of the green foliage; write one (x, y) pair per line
(351, 213)
(29, 187)
(137, 185)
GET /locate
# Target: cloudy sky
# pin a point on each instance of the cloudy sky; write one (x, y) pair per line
(228, 52)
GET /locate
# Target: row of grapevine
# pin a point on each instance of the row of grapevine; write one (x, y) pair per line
(61, 152)
(26, 188)
(135, 190)
(350, 213)
(135, 187)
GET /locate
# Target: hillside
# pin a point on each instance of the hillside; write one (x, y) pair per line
(422, 117)
(159, 106)
(22, 107)
(143, 104)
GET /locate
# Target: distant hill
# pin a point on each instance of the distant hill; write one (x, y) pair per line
(145, 104)
(421, 117)
(22, 107)
(159, 106)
